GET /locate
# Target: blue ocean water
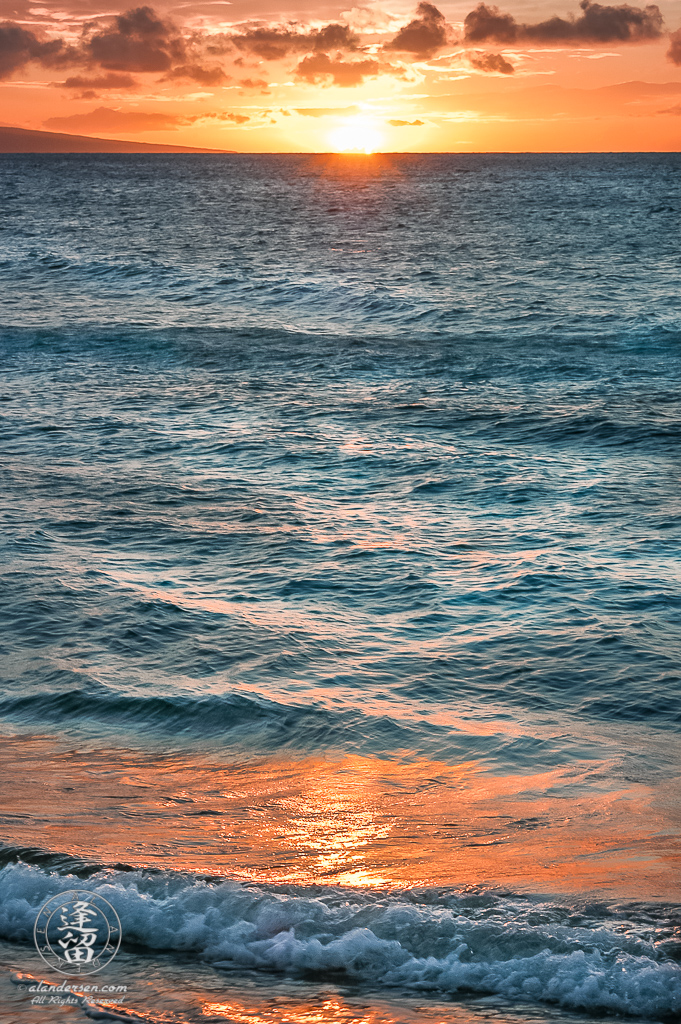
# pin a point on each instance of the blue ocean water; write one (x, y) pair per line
(340, 602)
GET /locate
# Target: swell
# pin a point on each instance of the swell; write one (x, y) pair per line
(598, 957)
(60, 290)
(257, 725)
(178, 294)
(563, 247)
(608, 390)
(220, 668)
(235, 715)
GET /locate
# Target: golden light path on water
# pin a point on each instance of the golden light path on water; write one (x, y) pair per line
(355, 821)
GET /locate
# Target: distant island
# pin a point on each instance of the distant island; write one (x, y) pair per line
(23, 140)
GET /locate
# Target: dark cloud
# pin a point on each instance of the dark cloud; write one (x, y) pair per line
(422, 36)
(276, 42)
(406, 124)
(268, 43)
(141, 41)
(212, 75)
(674, 51)
(489, 23)
(319, 67)
(110, 81)
(596, 24)
(491, 63)
(137, 41)
(335, 37)
(19, 47)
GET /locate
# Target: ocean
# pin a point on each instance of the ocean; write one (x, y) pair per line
(340, 597)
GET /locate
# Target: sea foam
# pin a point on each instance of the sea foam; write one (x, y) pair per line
(589, 958)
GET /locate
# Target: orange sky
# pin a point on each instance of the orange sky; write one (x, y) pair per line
(262, 77)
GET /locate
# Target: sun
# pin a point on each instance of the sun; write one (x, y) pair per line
(356, 136)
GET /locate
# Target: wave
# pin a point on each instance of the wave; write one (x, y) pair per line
(481, 386)
(598, 957)
(259, 726)
(362, 300)
(385, 251)
(274, 299)
(240, 716)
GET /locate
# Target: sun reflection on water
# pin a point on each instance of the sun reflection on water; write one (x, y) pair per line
(355, 821)
(330, 1010)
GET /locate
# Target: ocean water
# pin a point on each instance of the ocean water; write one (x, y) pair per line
(340, 598)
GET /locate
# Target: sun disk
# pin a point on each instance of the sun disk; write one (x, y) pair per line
(355, 137)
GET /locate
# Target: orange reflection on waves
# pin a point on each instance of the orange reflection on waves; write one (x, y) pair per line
(326, 1011)
(354, 821)
(334, 1009)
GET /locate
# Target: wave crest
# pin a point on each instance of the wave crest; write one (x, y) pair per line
(597, 958)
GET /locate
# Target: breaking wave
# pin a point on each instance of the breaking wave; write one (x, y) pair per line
(589, 956)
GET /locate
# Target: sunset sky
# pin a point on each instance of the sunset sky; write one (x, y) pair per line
(262, 76)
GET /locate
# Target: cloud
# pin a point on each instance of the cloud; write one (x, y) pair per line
(213, 75)
(596, 24)
(489, 23)
(674, 51)
(368, 19)
(106, 119)
(253, 83)
(19, 46)
(548, 102)
(119, 122)
(406, 124)
(422, 36)
(234, 118)
(277, 42)
(492, 63)
(221, 115)
(320, 67)
(336, 37)
(142, 41)
(138, 40)
(110, 81)
(325, 111)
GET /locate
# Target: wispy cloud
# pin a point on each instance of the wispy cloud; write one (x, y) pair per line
(130, 122)
(326, 111)
(102, 83)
